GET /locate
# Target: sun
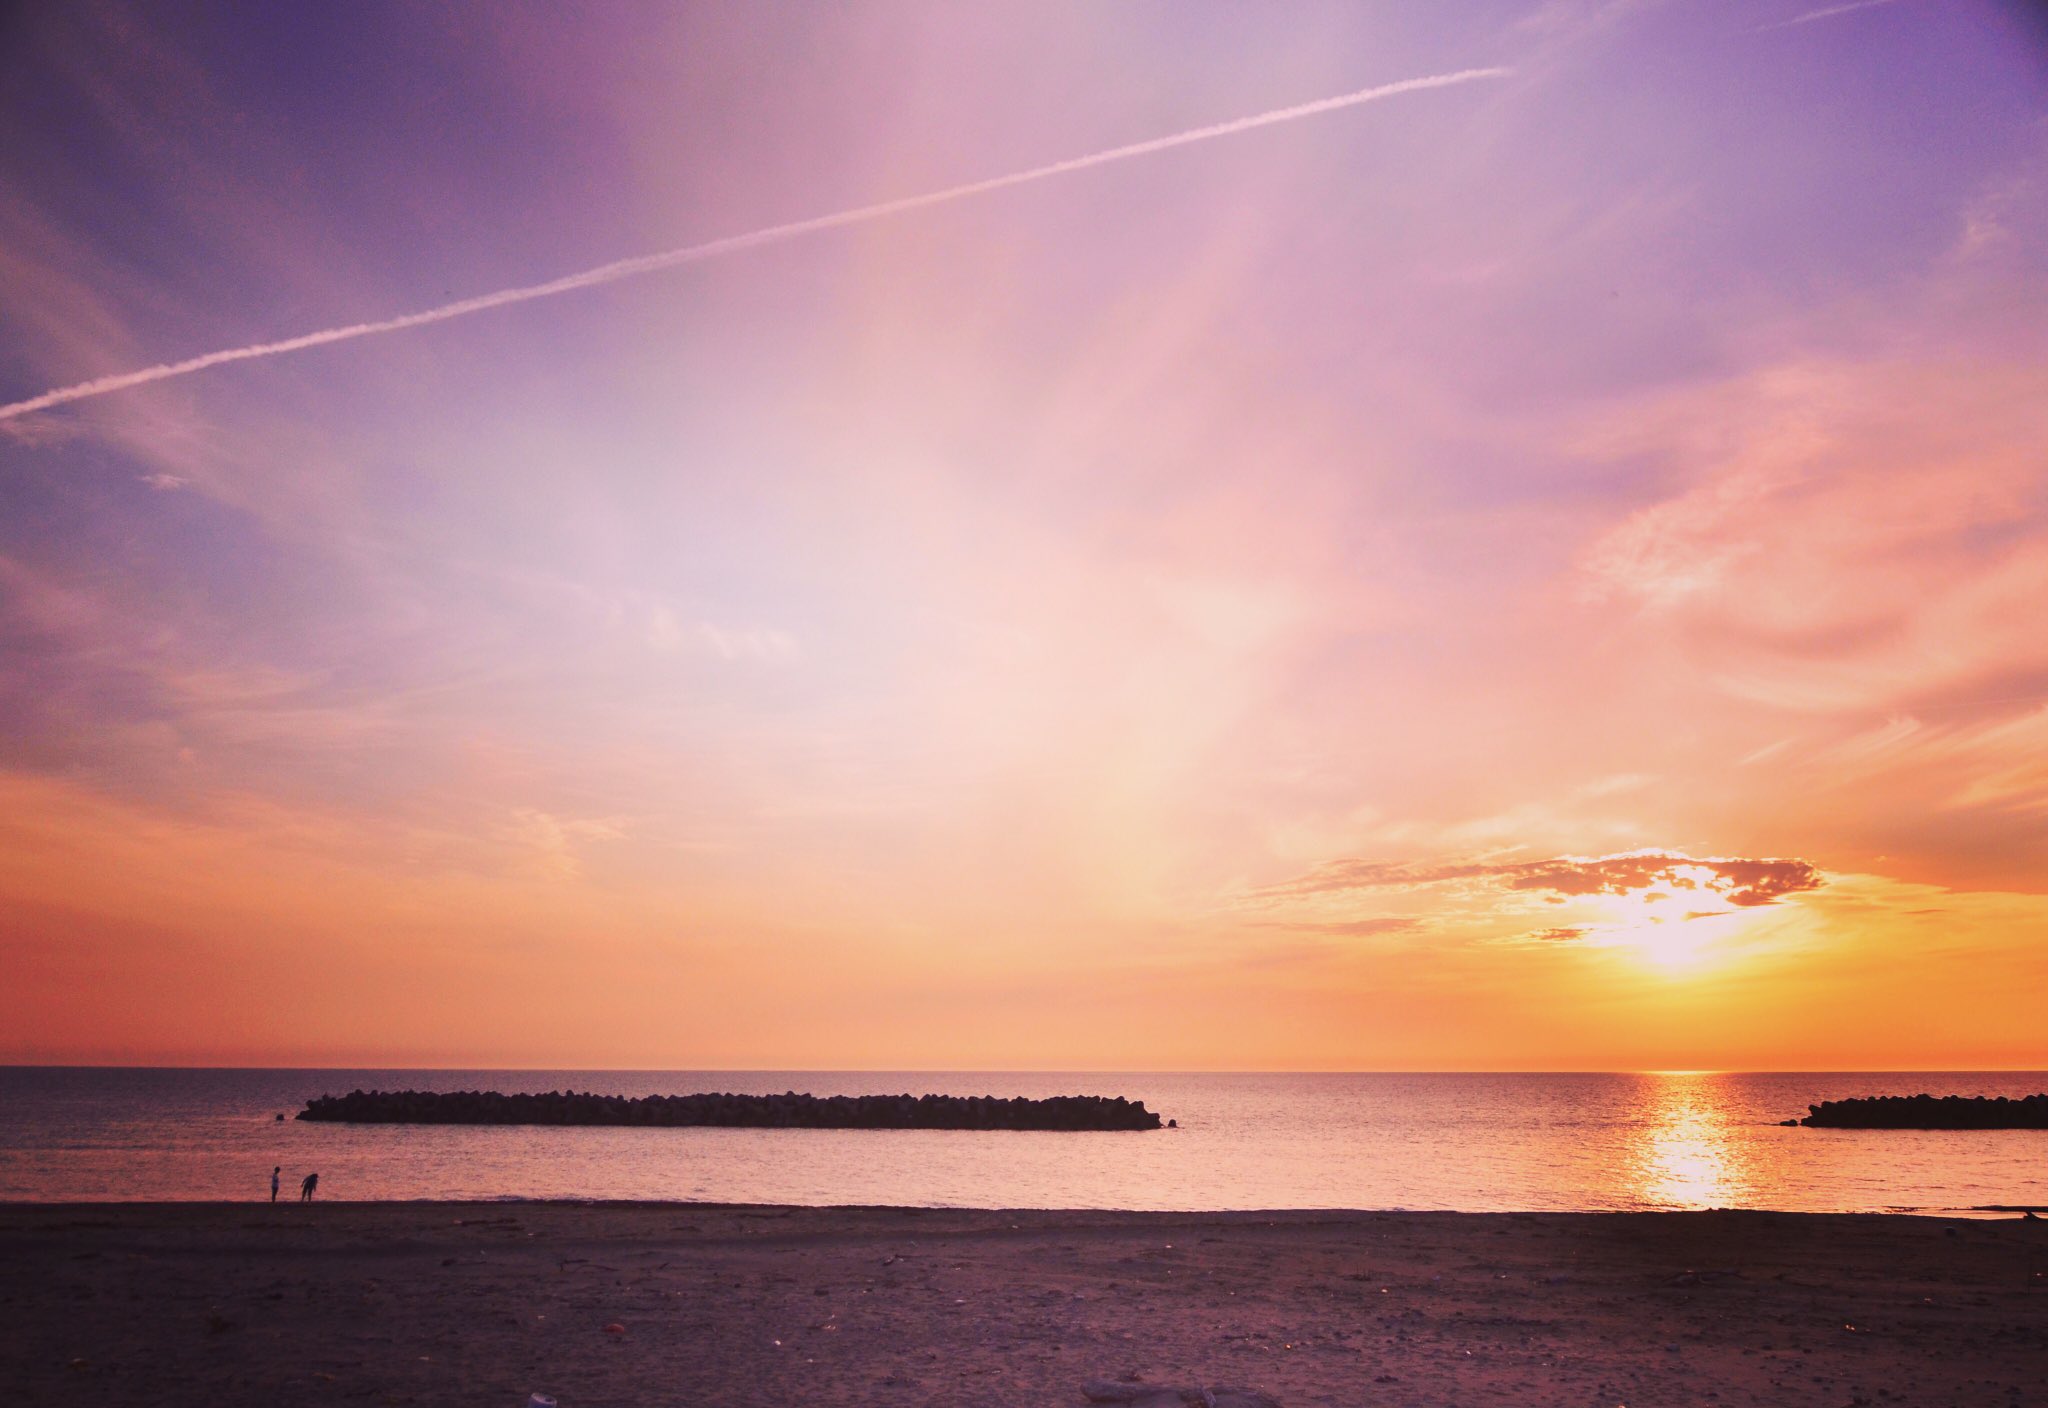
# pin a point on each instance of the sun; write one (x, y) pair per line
(1671, 932)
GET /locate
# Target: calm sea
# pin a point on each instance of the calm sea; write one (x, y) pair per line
(1475, 1142)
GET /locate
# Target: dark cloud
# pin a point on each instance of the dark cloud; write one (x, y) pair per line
(1754, 882)
(1558, 936)
(1737, 880)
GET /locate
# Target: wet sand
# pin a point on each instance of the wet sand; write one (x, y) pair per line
(481, 1304)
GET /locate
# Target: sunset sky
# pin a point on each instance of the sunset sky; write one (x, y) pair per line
(1546, 571)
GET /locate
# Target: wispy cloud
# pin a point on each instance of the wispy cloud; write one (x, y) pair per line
(733, 244)
(1851, 532)
(1826, 13)
(557, 841)
(1348, 928)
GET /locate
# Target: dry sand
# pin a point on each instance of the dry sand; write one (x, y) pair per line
(480, 1304)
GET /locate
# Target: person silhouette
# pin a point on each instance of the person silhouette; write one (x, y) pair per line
(306, 1188)
(273, 1181)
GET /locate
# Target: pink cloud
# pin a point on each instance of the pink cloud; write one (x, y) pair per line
(1852, 535)
(1742, 881)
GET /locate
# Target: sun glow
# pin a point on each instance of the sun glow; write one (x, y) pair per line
(1673, 932)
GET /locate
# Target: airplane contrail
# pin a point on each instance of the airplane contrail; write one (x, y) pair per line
(732, 244)
(1824, 14)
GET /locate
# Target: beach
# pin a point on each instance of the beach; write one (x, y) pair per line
(656, 1303)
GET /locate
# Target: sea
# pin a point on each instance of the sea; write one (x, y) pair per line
(1515, 1142)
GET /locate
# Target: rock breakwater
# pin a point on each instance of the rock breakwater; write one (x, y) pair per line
(1930, 1112)
(786, 1111)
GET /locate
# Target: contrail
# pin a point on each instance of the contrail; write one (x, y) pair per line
(732, 244)
(1829, 13)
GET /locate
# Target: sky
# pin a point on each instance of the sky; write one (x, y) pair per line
(1540, 570)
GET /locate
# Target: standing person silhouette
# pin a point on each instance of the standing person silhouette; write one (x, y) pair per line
(306, 1188)
(273, 1181)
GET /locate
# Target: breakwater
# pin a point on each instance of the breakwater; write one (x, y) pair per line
(1928, 1112)
(787, 1111)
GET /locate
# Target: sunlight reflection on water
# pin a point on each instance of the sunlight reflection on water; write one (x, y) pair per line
(1687, 1156)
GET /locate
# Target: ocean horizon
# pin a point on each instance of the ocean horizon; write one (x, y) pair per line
(1453, 1141)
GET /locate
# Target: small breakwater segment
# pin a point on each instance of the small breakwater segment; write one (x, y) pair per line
(1928, 1112)
(786, 1111)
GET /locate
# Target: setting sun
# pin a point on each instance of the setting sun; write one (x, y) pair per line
(1671, 932)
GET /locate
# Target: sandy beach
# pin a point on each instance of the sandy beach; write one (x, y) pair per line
(613, 1304)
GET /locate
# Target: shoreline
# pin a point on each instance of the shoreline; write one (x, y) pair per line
(741, 1304)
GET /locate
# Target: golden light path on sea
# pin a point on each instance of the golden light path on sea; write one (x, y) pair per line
(1683, 1157)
